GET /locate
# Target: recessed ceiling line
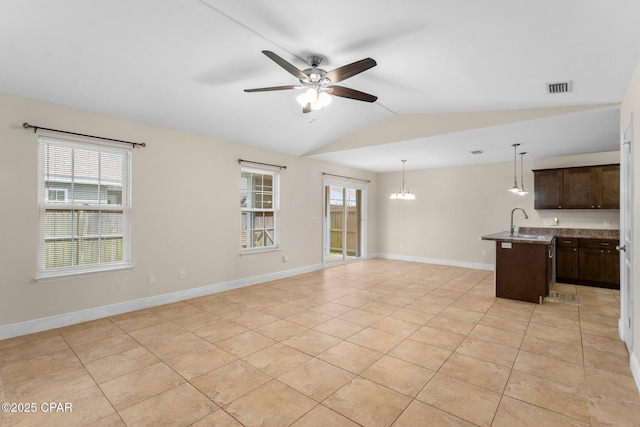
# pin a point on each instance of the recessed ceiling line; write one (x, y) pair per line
(248, 28)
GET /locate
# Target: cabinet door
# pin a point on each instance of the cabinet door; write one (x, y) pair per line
(548, 189)
(580, 188)
(609, 187)
(522, 271)
(567, 263)
(611, 270)
(591, 264)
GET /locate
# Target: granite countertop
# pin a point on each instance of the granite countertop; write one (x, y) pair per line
(520, 237)
(544, 235)
(585, 233)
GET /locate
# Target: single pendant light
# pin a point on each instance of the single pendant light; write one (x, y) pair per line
(404, 193)
(522, 191)
(515, 189)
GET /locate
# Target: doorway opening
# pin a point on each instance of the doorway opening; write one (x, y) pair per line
(344, 222)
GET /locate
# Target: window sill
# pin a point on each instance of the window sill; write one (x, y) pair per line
(54, 276)
(259, 250)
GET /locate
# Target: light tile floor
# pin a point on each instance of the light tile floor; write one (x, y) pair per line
(374, 343)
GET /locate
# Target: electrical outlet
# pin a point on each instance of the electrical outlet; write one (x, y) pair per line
(152, 278)
(182, 273)
(484, 253)
(285, 258)
(607, 223)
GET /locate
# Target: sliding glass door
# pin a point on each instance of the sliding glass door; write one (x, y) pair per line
(343, 221)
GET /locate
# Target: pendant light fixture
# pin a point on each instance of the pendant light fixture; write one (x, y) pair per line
(522, 191)
(404, 193)
(515, 189)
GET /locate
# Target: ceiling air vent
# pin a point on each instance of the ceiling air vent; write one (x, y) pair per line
(560, 87)
(476, 152)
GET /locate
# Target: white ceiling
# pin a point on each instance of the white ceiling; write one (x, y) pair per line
(183, 64)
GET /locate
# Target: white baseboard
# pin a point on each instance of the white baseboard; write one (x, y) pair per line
(452, 263)
(635, 369)
(620, 329)
(66, 319)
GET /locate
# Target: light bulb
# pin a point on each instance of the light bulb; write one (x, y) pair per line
(324, 98)
(302, 99)
(316, 105)
(311, 94)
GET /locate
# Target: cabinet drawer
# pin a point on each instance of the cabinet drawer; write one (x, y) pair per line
(567, 242)
(598, 243)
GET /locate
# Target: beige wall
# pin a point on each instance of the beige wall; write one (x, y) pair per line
(455, 206)
(185, 214)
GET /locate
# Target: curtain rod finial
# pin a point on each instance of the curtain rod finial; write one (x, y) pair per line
(27, 126)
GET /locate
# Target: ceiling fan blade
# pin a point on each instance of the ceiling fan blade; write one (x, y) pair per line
(350, 70)
(346, 92)
(267, 89)
(307, 108)
(286, 65)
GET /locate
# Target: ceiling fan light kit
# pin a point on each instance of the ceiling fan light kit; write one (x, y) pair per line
(319, 84)
(314, 99)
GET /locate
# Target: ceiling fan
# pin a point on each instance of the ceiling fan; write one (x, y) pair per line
(320, 84)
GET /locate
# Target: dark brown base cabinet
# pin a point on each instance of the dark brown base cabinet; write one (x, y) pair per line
(567, 259)
(591, 262)
(523, 271)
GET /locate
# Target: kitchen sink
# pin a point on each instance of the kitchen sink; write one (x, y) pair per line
(530, 237)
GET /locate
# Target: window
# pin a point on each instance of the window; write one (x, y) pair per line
(57, 195)
(259, 209)
(85, 205)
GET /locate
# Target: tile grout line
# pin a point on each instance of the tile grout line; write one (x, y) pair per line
(115, 411)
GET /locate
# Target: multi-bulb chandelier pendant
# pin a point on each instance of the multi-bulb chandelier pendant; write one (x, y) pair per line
(403, 193)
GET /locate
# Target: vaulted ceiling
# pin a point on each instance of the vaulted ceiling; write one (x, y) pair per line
(452, 76)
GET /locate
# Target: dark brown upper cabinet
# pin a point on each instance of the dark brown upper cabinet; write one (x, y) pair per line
(608, 180)
(588, 187)
(548, 189)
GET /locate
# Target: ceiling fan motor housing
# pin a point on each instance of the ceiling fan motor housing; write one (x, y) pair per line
(315, 75)
(314, 60)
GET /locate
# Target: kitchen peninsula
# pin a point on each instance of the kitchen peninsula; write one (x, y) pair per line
(526, 263)
(523, 265)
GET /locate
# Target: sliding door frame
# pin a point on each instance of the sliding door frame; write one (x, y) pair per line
(326, 225)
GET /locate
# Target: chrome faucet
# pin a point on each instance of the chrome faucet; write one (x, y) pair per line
(525, 217)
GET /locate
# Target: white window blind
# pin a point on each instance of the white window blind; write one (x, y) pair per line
(85, 207)
(259, 196)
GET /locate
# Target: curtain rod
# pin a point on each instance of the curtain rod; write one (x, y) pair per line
(259, 163)
(35, 129)
(347, 177)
